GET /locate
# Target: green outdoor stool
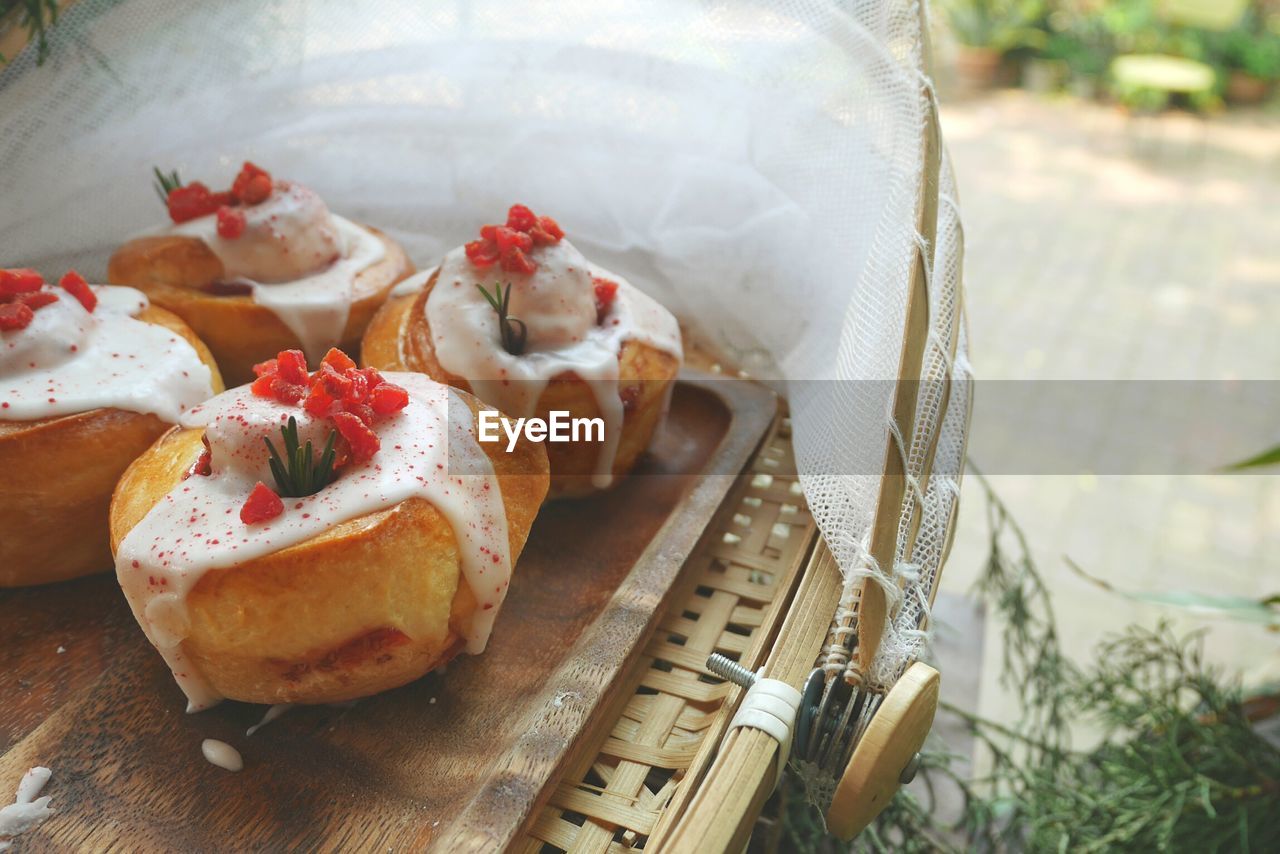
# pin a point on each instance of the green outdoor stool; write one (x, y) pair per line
(1166, 74)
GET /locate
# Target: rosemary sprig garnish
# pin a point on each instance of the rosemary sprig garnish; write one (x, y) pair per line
(165, 184)
(513, 340)
(296, 472)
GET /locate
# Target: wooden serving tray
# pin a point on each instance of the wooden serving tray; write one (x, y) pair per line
(456, 761)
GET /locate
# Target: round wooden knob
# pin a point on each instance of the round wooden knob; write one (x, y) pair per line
(895, 735)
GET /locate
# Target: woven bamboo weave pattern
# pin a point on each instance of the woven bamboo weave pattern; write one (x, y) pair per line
(637, 769)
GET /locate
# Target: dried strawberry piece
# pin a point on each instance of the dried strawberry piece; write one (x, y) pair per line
(320, 402)
(19, 281)
(74, 284)
(338, 385)
(253, 185)
(266, 369)
(606, 293)
(292, 366)
(551, 227)
(15, 315)
(363, 411)
(482, 253)
(508, 239)
(515, 261)
(262, 386)
(359, 436)
(489, 232)
(372, 376)
(358, 388)
(203, 466)
(191, 201)
(231, 223)
(521, 218)
(388, 398)
(338, 360)
(287, 392)
(38, 299)
(261, 505)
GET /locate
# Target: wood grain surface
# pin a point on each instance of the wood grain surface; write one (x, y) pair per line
(455, 761)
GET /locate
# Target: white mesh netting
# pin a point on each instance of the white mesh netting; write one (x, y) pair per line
(756, 165)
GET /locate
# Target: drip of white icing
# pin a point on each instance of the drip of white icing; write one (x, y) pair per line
(299, 260)
(28, 809)
(272, 713)
(412, 284)
(429, 450)
(221, 754)
(557, 304)
(69, 360)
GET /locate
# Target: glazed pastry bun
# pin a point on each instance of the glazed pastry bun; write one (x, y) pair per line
(90, 376)
(260, 268)
(521, 319)
(368, 540)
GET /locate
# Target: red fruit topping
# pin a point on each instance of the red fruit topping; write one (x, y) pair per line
(291, 365)
(230, 223)
(320, 403)
(482, 253)
(191, 201)
(287, 392)
(252, 186)
(360, 437)
(520, 218)
(261, 505)
(203, 466)
(515, 261)
(261, 387)
(338, 360)
(508, 239)
(551, 227)
(38, 299)
(606, 293)
(510, 243)
(74, 284)
(15, 315)
(20, 281)
(340, 391)
(388, 398)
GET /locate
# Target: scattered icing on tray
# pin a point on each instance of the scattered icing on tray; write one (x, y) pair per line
(28, 810)
(299, 260)
(557, 303)
(429, 450)
(70, 360)
(221, 754)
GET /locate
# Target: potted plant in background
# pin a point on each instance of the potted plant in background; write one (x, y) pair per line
(986, 30)
(1251, 55)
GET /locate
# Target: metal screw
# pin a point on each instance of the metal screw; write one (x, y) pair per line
(727, 668)
(909, 773)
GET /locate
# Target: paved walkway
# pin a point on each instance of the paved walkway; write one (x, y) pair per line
(1100, 247)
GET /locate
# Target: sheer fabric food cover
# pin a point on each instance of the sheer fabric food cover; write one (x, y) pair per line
(755, 165)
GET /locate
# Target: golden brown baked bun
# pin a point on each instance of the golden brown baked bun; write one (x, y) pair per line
(371, 604)
(58, 476)
(178, 272)
(399, 339)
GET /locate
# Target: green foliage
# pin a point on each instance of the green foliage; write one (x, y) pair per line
(1253, 47)
(297, 473)
(37, 17)
(1001, 25)
(1269, 457)
(165, 183)
(512, 330)
(1178, 767)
